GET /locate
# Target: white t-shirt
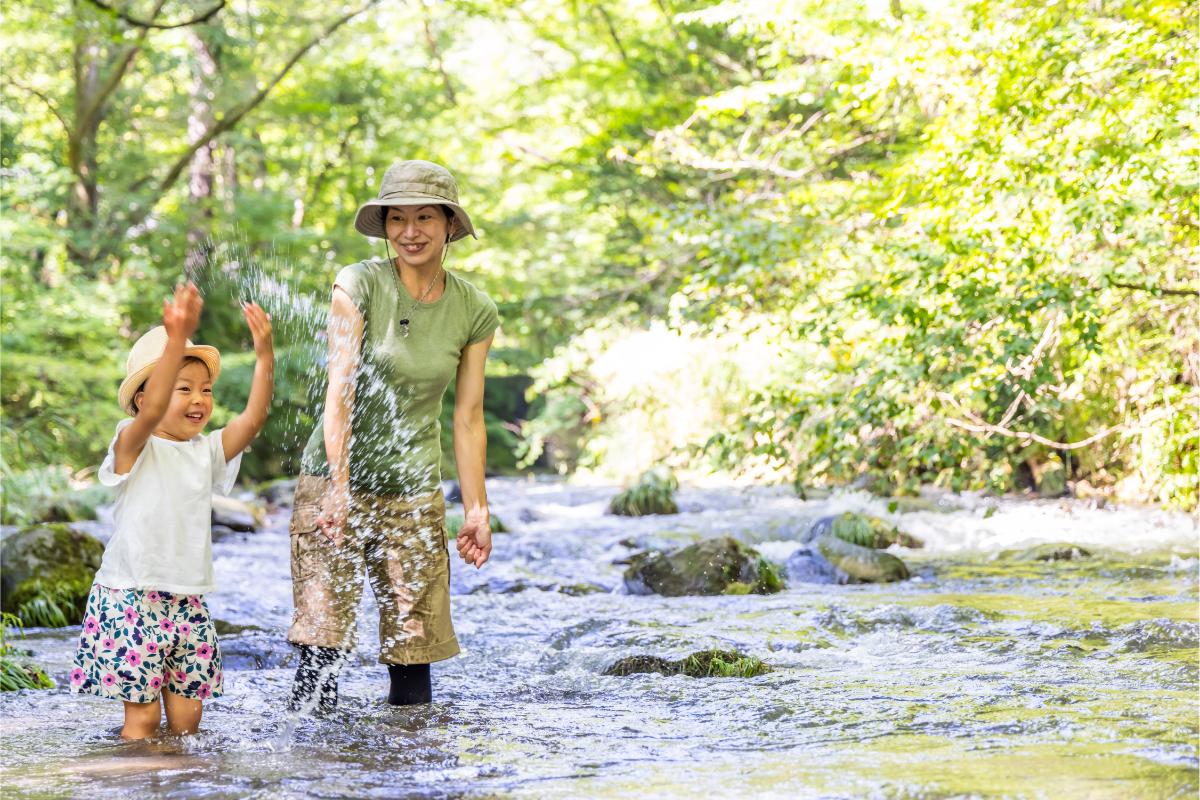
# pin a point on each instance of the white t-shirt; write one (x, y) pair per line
(163, 537)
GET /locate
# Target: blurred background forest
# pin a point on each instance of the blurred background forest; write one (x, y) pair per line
(843, 242)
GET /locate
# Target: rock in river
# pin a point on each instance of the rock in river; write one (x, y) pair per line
(714, 566)
(48, 567)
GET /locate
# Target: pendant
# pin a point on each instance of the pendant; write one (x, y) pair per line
(404, 327)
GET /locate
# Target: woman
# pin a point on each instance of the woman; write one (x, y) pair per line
(369, 497)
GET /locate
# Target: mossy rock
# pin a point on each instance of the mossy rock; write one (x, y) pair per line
(1051, 551)
(279, 492)
(862, 530)
(48, 571)
(861, 564)
(704, 664)
(653, 493)
(710, 567)
(78, 505)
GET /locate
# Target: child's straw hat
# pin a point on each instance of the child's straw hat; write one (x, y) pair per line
(145, 354)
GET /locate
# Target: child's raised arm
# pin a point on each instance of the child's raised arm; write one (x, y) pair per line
(242, 429)
(181, 315)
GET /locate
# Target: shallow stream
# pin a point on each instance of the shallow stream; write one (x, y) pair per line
(981, 676)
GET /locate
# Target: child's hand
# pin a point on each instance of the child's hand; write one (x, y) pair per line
(181, 316)
(474, 540)
(260, 328)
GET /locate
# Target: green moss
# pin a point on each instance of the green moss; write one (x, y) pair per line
(654, 493)
(48, 571)
(872, 532)
(703, 664)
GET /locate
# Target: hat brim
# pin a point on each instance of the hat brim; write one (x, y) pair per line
(369, 222)
(209, 355)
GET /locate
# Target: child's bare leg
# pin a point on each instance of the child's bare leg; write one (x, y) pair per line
(183, 714)
(141, 720)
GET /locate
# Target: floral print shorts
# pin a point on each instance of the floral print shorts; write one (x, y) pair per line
(135, 642)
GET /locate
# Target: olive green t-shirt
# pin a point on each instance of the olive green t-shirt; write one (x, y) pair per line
(395, 444)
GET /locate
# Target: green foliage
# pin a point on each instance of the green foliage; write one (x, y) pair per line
(723, 664)
(52, 605)
(13, 674)
(653, 493)
(964, 232)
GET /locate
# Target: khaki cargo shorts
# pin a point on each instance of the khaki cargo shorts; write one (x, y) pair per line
(400, 543)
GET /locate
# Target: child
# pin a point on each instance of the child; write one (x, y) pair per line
(146, 630)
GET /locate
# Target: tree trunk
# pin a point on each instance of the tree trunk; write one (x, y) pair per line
(201, 169)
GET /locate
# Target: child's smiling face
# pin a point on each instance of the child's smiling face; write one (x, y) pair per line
(191, 403)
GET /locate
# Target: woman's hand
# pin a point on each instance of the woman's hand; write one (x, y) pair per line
(335, 506)
(474, 540)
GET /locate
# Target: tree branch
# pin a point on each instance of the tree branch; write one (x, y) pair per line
(151, 24)
(235, 114)
(977, 424)
(88, 116)
(49, 104)
(1171, 290)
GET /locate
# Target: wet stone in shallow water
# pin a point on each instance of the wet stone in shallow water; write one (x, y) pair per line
(702, 664)
(712, 567)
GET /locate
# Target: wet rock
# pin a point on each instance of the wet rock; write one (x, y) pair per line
(580, 589)
(862, 530)
(528, 515)
(909, 505)
(220, 532)
(1051, 551)
(653, 493)
(278, 493)
(639, 665)
(234, 514)
(807, 565)
(710, 567)
(452, 491)
(78, 505)
(861, 564)
(1050, 478)
(704, 664)
(48, 571)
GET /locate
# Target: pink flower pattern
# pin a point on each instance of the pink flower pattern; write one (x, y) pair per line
(134, 643)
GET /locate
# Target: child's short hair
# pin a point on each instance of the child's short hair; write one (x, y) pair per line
(142, 386)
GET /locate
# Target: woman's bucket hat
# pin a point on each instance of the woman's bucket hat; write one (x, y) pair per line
(413, 183)
(146, 353)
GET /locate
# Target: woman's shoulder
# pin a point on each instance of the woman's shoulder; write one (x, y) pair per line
(367, 268)
(470, 291)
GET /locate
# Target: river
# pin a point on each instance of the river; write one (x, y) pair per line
(982, 676)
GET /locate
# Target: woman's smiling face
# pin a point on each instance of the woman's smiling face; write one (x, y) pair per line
(417, 232)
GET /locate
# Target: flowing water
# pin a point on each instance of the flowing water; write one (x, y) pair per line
(982, 676)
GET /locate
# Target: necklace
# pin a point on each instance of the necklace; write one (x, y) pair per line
(416, 303)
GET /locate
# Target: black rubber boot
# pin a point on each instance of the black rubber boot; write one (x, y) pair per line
(410, 684)
(317, 674)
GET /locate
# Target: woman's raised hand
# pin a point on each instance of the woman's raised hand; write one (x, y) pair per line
(474, 540)
(181, 314)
